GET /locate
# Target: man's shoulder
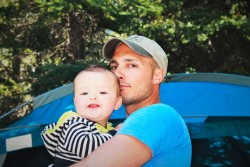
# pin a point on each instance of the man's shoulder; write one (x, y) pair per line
(157, 105)
(157, 109)
(156, 114)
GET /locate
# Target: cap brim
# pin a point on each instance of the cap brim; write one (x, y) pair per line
(110, 46)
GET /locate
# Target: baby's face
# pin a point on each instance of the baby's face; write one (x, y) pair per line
(96, 95)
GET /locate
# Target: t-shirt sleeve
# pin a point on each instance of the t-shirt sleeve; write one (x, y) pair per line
(158, 126)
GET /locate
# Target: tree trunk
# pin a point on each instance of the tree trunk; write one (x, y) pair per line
(16, 64)
(75, 38)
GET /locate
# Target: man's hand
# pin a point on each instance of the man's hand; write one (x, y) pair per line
(118, 126)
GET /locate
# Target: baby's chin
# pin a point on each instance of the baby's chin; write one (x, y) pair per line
(89, 113)
(94, 116)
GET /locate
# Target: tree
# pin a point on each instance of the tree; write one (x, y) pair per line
(41, 40)
(37, 36)
(201, 36)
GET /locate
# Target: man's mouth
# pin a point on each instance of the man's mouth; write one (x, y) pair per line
(123, 86)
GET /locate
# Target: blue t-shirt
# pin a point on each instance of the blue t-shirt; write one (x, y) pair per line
(163, 130)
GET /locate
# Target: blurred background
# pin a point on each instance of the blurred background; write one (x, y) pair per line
(44, 44)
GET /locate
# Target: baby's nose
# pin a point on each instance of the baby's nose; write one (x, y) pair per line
(93, 97)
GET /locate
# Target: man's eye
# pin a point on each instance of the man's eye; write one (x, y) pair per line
(132, 65)
(103, 93)
(113, 68)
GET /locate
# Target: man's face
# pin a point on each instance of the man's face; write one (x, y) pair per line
(135, 74)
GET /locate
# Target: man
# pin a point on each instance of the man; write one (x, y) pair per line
(153, 134)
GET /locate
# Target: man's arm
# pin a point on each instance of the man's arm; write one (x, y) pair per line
(121, 150)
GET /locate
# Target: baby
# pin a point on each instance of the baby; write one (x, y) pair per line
(77, 134)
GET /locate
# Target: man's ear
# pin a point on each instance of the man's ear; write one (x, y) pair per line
(158, 76)
(118, 103)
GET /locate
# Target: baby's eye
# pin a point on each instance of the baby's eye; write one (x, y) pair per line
(84, 93)
(103, 93)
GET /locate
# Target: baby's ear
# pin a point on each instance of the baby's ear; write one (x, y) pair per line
(158, 76)
(118, 103)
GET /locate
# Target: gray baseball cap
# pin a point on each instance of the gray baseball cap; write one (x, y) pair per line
(142, 46)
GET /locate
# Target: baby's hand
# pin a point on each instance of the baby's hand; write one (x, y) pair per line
(118, 126)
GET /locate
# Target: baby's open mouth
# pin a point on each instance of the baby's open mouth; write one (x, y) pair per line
(93, 106)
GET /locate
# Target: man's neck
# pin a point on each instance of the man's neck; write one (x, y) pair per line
(153, 99)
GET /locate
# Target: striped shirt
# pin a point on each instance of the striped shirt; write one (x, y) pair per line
(75, 138)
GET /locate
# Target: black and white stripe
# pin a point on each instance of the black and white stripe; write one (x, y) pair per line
(75, 139)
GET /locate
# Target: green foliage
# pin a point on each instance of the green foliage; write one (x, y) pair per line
(44, 44)
(51, 76)
(13, 94)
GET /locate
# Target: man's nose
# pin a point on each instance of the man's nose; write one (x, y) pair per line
(119, 73)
